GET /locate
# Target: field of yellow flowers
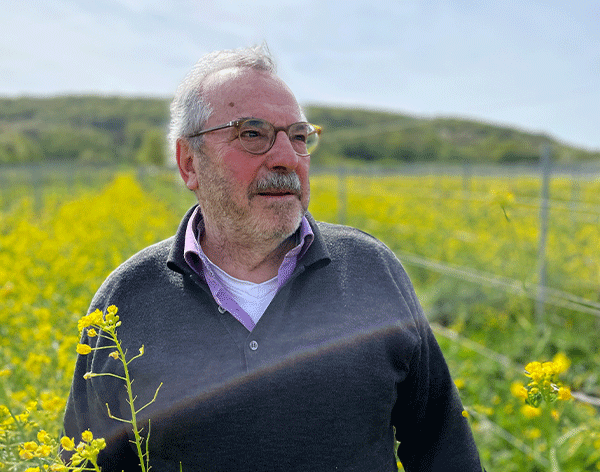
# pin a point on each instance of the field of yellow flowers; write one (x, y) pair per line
(528, 380)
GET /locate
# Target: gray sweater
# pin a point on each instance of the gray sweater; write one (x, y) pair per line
(342, 358)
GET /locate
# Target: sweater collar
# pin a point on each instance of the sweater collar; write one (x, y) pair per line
(315, 253)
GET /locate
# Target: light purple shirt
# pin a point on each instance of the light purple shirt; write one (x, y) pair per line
(198, 261)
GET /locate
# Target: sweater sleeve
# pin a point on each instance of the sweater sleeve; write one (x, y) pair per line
(428, 416)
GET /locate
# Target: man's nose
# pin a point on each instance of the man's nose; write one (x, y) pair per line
(282, 155)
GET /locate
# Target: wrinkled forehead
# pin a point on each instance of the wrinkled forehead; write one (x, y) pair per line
(236, 92)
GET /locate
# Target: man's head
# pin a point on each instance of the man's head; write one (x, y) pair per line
(243, 192)
(189, 108)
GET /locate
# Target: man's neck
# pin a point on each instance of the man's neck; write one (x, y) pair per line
(256, 262)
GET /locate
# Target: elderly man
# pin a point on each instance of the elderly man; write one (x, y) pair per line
(283, 344)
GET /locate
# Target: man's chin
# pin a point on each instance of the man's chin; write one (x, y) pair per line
(280, 225)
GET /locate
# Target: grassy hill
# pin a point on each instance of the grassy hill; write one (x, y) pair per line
(391, 138)
(129, 130)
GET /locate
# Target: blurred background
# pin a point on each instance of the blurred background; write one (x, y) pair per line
(463, 134)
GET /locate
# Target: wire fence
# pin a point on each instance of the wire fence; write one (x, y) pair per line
(37, 181)
(570, 204)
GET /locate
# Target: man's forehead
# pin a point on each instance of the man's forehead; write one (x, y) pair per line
(233, 87)
(224, 75)
(230, 80)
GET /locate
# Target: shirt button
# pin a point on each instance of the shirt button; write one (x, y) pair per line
(253, 345)
(221, 309)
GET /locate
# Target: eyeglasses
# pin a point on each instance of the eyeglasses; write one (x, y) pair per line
(258, 136)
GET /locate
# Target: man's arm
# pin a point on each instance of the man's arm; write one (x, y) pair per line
(433, 433)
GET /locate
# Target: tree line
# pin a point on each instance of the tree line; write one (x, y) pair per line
(129, 130)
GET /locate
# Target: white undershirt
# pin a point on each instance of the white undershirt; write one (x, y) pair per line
(253, 298)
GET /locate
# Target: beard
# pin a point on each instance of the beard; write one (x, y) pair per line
(252, 217)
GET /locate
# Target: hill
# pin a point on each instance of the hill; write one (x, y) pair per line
(385, 137)
(128, 130)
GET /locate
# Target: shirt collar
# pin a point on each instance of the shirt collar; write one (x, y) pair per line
(193, 254)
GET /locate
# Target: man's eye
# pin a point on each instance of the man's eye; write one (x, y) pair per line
(251, 133)
(299, 137)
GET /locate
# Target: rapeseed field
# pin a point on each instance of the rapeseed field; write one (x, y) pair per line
(528, 374)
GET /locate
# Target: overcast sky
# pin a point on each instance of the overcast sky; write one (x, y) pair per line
(531, 64)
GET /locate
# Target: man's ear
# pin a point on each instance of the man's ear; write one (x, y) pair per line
(185, 162)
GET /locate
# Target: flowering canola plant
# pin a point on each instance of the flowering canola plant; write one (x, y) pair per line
(544, 385)
(54, 257)
(84, 456)
(52, 260)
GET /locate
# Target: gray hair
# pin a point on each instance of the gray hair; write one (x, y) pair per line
(189, 110)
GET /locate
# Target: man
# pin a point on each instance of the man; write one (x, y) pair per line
(283, 344)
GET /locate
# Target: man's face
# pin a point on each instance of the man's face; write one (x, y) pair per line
(232, 205)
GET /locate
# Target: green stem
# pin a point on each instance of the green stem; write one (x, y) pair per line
(136, 432)
(550, 427)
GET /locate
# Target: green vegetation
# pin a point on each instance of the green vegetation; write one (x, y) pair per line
(388, 138)
(83, 129)
(132, 130)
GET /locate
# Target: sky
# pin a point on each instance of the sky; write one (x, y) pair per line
(533, 65)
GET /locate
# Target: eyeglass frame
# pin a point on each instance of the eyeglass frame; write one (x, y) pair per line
(237, 124)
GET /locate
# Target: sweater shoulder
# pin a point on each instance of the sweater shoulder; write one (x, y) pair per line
(365, 258)
(145, 268)
(148, 258)
(347, 241)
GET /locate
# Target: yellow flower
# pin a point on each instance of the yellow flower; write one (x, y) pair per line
(114, 354)
(32, 469)
(564, 393)
(94, 318)
(518, 390)
(87, 436)
(530, 412)
(83, 349)
(460, 383)
(112, 310)
(562, 362)
(44, 450)
(67, 443)
(92, 333)
(43, 437)
(533, 433)
(27, 450)
(111, 315)
(25, 454)
(549, 369)
(534, 371)
(465, 413)
(532, 367)
(555, 415)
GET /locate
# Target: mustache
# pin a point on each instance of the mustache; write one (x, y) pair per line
(276, 181)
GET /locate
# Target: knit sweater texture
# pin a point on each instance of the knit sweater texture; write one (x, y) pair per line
(342, 359)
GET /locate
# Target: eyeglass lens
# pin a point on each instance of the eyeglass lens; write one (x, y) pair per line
(257, 136)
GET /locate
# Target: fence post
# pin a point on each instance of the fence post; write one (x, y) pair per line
(37, 185)
(545, 167)
(467, 173)
(575, 173)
